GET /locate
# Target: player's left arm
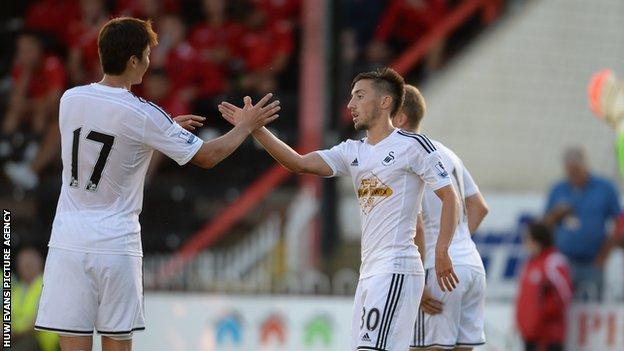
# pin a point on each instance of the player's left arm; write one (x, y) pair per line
(475, 205)
(476, 210)
(447, 279)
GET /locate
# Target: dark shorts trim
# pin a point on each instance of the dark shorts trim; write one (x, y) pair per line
(459, 344)
(470, 344)
(434, 345)
(56, 330)
(120, 332)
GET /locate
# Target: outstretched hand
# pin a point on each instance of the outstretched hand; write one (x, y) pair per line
(256, 115)
(230, 112)
(189, 122)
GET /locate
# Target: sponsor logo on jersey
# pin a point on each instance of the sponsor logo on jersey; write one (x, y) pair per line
(355, 163)
(187, 136)
(366, 338)
(441, 171)
(388, 160)
(371, 192)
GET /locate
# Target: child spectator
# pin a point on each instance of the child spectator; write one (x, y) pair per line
(545, 291)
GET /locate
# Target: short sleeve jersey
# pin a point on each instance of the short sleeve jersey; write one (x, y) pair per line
(107, 139)
(389, 179)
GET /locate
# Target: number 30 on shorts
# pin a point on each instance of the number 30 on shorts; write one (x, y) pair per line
(371, 319)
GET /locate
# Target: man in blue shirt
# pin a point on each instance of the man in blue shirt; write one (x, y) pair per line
(580, 208)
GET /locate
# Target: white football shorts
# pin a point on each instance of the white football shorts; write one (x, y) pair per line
(462, 320)
(385, 310)
(83, 292)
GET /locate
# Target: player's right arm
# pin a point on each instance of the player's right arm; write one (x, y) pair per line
(311, 163)
(252, 117)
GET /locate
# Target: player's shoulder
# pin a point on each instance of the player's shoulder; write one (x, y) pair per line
(151, 109)
(75, 91)
(446, 150)
(419, 142)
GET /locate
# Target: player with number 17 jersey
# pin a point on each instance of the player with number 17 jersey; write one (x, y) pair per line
(106, 152)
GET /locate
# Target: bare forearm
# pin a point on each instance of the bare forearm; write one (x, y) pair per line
(279, 150)
(216, 150)
(476, 210)
(474, 221)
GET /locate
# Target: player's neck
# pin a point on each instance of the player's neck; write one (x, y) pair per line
(379, 132)
(117, 81)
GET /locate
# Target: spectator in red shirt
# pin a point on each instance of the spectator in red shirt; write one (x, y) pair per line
(52, 16)
(148, 9)
(217, 36)
(38, 83)
(191, 75)
(265, 49)
(83, 61)
(545, 291)
(403, 23)
(279, 10)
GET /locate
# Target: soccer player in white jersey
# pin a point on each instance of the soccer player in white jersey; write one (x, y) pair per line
(389, 171)
(93, 273)
(448, 320)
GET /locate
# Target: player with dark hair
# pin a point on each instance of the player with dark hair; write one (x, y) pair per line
(389, 171)
(93, 273)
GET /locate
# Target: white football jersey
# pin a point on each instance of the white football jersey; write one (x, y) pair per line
(389, 180)
(107, 139)
(462, 250)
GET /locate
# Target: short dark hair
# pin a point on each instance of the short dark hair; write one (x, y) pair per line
(414, 106)
(389, 81)
(541, 234)
(122, 38)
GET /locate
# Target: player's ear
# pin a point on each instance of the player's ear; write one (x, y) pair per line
(386, 102)
(399, 120)
(133, 61)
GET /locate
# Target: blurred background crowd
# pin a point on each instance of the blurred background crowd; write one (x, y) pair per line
(209, 51)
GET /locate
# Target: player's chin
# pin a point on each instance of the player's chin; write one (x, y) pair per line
(359, 126)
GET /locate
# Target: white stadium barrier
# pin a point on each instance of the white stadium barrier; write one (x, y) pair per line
(202, 322)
